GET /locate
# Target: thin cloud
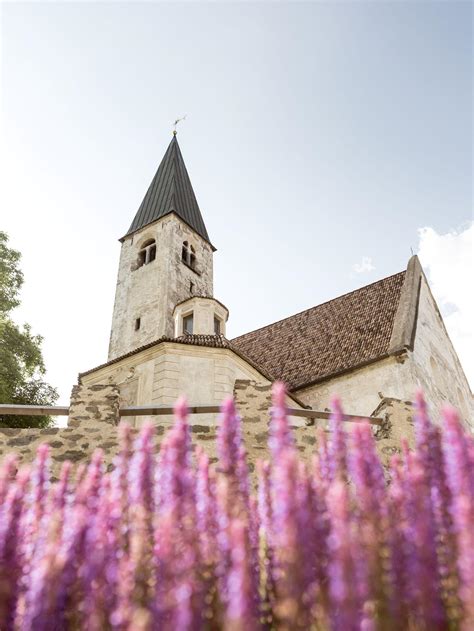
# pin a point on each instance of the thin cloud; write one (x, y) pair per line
(364, 267)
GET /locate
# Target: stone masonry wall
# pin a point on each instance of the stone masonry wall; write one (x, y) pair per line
(99, 403)
(93, 419)
(253, 401)
(152, 291)
(92, 424)
(397, 426)
(94, 415)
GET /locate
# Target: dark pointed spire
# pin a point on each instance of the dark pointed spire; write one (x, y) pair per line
(170, 191)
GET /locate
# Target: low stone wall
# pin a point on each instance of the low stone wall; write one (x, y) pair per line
(94, 416)
(254, 401)
(92, 424)
(77, 444)
(98, 403)
(397, 426)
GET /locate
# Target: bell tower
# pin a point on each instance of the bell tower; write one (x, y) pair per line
(166, 259)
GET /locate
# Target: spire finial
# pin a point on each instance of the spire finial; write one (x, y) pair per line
(178, 120)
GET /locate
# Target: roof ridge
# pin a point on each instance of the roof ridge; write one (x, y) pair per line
(348, 293)
(172, 202)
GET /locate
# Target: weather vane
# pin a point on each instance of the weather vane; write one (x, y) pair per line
(178, 120)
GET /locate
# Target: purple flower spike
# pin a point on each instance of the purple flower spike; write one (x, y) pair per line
(432, 459)
(424, 431)
(40, 480)
(241, 613)
(228, 438)
(423, 573)
(420, 403)
(458, 454)
(228, 407)
(398, 545)
(367, 473)
(8, 470)
(206, 509)
(280, 437)
(457, 448)
(372, 516)
(345, 609)
(169, 541)
(279, 394)
(142, 469)
(322, 466)
(88, 488)
(264, 499)
(119, 500)
(181, 409)
(10, 551)
(183, 615)
(337, 446)
(61, 491)
(39, 488)
(290, 570)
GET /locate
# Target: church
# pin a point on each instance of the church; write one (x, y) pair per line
(168, 335)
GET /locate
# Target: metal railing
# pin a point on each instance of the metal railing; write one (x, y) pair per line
(33, 410)
(162, 410)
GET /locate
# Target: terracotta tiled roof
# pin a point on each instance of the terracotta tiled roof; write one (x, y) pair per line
(333, 337)
(213, 341)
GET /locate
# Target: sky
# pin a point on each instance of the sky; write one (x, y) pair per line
(325, 143)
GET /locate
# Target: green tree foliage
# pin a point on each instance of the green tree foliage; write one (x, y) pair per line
(21, 361)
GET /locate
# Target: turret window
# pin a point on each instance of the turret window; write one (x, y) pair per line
(217, 326)
(147, 253)
(188, 255)
(188, 324)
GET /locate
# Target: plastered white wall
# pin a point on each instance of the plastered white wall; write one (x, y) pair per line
(163, 373)
(434, 362)
(362, 390)
(204, 310)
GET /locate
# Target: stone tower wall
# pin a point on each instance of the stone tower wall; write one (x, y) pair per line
(151, 292)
